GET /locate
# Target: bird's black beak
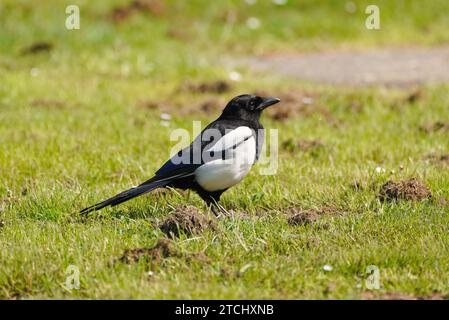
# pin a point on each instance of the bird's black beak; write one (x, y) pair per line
(266, 102)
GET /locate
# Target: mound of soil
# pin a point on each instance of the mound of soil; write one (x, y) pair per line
(149, 104)
(218, 86)
(178, 33)
(435, 127)
(303, 217)
(408, 99)
(163, 249)
(209, 105)
(155, 7)
(411, 189)
(48, 103)
(38, 47)
(414, 96)
(442, 159)
(186, 220)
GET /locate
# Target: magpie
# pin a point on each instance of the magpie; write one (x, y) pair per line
(219, 158)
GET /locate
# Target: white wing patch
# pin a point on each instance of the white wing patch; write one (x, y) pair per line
(232, 138)
(221, 174)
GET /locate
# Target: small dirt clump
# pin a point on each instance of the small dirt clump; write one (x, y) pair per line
(303, 217)
(410, 189)
(155, 7)
(414, 96)
(442, 159)
(149, 105)
(38, 47)
(218, 86)
(48, 103)
(163, 249)
(437, 126)
(186, 220)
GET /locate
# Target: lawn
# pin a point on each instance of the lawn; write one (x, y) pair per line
(81, 120)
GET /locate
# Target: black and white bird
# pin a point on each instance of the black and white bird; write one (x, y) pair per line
(219, 158)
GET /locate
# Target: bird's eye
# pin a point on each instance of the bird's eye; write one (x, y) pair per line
(252, 104)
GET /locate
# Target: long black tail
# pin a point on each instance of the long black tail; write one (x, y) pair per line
(127, 195)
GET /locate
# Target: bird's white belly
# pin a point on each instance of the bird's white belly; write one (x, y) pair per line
(222, 174)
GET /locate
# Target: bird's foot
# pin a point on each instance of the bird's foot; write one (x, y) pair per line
(219, 211)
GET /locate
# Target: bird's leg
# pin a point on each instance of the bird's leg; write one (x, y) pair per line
(215, 210)
(224, 211)
(218, 210)
(211, 200)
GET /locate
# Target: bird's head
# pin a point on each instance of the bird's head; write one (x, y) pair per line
(247, 107)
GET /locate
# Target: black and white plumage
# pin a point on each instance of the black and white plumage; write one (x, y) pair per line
(219, 158)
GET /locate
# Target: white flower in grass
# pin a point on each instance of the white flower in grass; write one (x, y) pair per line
(307, 100)
(34, 72)
(165, 116)
(253, 23)
(327, 267)
(380, 170)
(235, 76)
(245, 268)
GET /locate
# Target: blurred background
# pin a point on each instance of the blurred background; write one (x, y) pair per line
(158, 40)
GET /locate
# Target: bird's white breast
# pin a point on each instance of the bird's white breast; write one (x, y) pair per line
(222, 174)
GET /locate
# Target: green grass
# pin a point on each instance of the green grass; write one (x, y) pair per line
(77, 133)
